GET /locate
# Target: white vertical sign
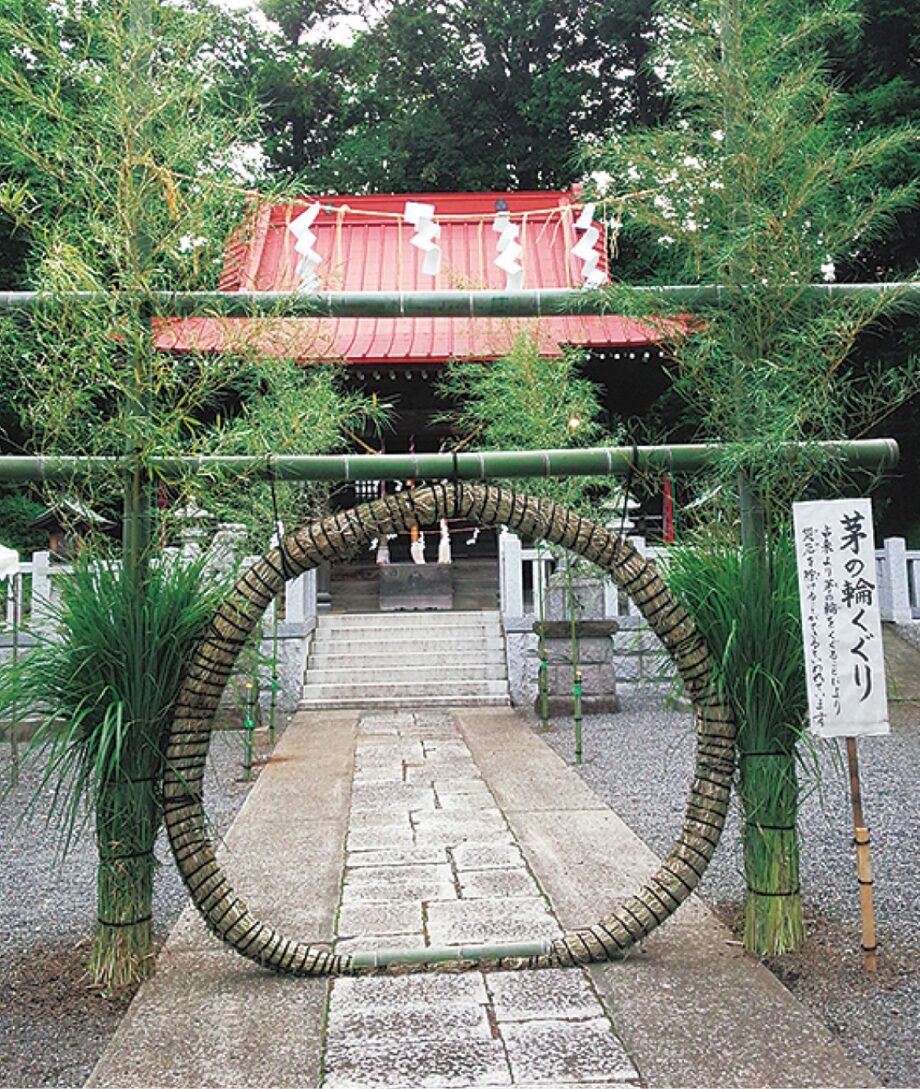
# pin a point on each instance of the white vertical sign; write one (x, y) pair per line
(841, 623)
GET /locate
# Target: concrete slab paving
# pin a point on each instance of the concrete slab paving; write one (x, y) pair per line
(397, 856)
(451, 829)
(374, 818)
(373, 919)
(466, 802)
(495, 919)
(210, 1018)
(691, 1007)
(390, 941)
(397, 837)
(438, 1030)
(448, 1060)
(687, 1009)
(375, 797)
(486, 856)
(527, 996)
(510, 883)
(366, 884)
(561, 1052)
(462, 786)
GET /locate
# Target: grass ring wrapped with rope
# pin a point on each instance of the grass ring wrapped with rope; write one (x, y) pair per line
(339, 537)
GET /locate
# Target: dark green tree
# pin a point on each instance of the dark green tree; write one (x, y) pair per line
(879, 75)
(473, 95)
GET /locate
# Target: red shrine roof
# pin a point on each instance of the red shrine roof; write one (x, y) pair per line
(364, 245)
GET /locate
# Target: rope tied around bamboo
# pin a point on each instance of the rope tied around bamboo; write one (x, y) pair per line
(338, 537)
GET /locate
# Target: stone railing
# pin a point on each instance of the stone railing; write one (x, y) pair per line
(640, 663)
(30, 600)
(898, 570)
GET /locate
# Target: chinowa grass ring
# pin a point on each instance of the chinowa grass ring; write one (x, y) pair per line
(338, 537)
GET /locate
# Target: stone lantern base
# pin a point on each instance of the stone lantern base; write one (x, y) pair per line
(595, 661)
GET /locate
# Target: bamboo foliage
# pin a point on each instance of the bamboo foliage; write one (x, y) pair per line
(104, 683)
(761, 183)
(526, 401)
(745, 604)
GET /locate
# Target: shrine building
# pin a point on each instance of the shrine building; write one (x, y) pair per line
(383, 242)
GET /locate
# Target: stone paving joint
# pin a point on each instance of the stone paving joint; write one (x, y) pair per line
(431, 860)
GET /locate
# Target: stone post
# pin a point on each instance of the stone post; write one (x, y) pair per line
(595, 663)
(192, 529)
(510, 574)
(898, 580)
(227, 546)
(41, 591)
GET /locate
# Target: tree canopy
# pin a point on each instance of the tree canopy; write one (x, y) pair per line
(468, 95)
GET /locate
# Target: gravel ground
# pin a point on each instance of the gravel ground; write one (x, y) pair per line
(53, 1027)
(640, 761)
(910, 632)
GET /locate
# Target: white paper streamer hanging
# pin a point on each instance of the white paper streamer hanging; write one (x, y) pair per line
(307, 278)
(584, 249)
(421, 216)
(586, 218)
(509, 251)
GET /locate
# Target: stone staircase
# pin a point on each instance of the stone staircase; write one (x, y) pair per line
(423, 659)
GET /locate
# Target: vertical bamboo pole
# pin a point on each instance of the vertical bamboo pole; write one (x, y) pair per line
(543, 680)
(543, 677)
(16, 589)
(863, 862)
(273, 705)
(249, 725)
(136, 526)
(576, 672)
(750, 503)
(576, 709)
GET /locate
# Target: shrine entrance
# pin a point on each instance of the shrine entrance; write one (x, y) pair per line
(337, 538)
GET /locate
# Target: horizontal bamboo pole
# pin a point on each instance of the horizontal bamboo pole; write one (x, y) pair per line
(433, 304)
(438, 955)
(485, 465)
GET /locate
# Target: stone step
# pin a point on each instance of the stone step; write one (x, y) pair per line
(428, 619)
(397, 690)
(402, 702)
(402, 647)
(407, 659)
(355, 640)
(390, 656)
(360, 672)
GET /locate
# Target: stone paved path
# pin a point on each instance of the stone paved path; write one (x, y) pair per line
(437, 840)
(431, 860)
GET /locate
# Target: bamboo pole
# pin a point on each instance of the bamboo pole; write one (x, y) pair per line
(442, 304)
(137, 523)
(249, 725)
(437, 955)
(273, 705)
(543, 675)
(576, 712)
(874, 454)
(15, 584)
(863, 862)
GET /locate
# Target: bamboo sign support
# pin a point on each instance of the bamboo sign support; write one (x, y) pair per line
(863, 862)
(844, 657)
